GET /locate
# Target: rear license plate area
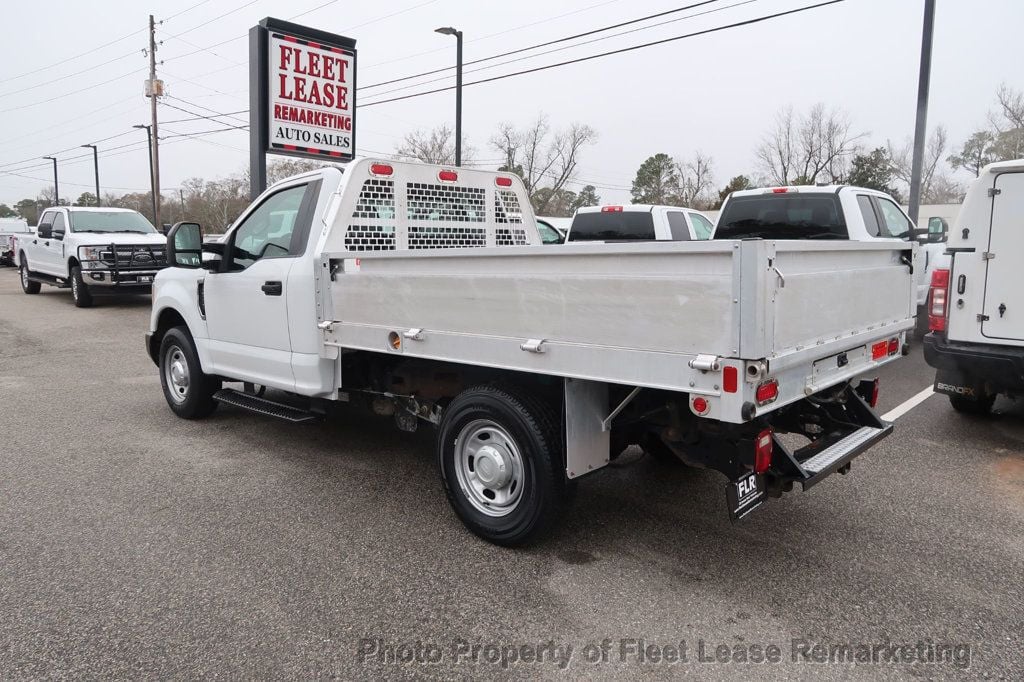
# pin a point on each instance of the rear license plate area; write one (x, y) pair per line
(745, 494)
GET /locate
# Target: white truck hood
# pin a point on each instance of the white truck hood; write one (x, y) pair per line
(97, 238)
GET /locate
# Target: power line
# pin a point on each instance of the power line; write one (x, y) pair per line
(68, 59)
(565, 47)
(545, 44)
(200, 117)
(73, 92)
(209, 118)
(663, 41)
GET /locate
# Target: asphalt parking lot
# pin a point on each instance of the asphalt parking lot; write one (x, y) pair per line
(135, 544)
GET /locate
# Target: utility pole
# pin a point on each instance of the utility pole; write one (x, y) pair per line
(96, 167)
(56, 191)
(154, 88)
(921, 126)
(181, 195)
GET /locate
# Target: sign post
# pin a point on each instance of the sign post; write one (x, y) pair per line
(302, 96)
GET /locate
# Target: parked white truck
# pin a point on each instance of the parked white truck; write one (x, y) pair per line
(424, 292)
(976, 307)
(91, 251)
(9, 227)
(638, 222)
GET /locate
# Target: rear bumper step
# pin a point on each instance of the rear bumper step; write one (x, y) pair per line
(270, 408)
(839, 454)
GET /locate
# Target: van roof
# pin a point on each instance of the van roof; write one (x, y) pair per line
(1004, 166)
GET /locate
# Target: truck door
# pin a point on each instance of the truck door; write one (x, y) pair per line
(246, 302)
(1004, 277)
(53, 248)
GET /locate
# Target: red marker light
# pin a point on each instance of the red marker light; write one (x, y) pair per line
(381, 169)
(503, 182)
(879, 350)
(611, 209)
(763, 452)
(700, 405)
(730, 379)
(780, 190)
(894, 346)
(447, 176)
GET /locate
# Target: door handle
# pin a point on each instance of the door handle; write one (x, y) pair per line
(272, 288)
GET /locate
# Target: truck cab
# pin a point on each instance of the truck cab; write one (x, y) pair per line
(976, 304)
(91, 251)
(8, 229)
(638, 222)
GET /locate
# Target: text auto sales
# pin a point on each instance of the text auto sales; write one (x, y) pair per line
(316, 79)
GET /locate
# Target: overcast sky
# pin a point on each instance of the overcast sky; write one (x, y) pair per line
(717, 93)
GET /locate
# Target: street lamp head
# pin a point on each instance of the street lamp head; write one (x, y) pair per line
(49, 158)
(88, 146)
(140, 126)
(448, 31)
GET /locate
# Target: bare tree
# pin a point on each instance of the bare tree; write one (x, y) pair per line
(433, 146)
(696, 181)
(806, 149)
(283, 168)
(936, 185)
(544, 159)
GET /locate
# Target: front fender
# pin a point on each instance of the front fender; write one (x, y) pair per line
(176, 290)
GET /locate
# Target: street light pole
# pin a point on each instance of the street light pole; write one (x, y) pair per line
(56, 190)
(96, 167)
(921, 125)
(152, 182)
(448, 30)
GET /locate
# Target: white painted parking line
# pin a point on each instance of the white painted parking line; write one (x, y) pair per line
(907, 405)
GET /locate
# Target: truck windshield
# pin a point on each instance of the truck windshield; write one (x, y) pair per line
(782, 216)
(612, 226)
(110, 221)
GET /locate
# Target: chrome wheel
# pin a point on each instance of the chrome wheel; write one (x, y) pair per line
(489, 467)
(24, 276)
(176, 374)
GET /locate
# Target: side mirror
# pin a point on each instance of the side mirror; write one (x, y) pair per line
(59, 235)
(185, 246)
(45, 231)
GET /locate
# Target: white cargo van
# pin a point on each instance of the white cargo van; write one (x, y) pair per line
(976, 306)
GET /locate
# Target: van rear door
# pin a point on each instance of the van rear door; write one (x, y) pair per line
(1004, 277)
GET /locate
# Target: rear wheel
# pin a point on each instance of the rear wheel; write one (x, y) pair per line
(981, 405)
(188, 391)
(500, 459)
(27, 285)
(79, 289)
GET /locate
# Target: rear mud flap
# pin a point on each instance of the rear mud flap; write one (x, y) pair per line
(745, 494)
(949, 382)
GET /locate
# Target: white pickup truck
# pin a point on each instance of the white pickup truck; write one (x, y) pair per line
(8, 229)
(90, 250)
(638, 222)
(976, 308)
(829, 212)
(424, 292)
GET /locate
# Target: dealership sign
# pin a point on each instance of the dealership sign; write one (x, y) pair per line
(302, 91)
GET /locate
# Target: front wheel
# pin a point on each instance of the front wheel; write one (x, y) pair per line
(188, 391)
(79, 289)
(27, 285)
(500, 459)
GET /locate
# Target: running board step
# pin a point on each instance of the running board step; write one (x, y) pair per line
(832, 454)
(254, 403)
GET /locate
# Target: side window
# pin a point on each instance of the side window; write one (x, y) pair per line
(868, 212)
(58, 224)
(678, 227)
(267, 231)
(46, 220)
(896, 224)
(702, 227)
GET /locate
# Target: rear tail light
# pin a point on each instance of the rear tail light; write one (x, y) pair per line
(767, 392)
(763, 452)
(780, 190)
(700, 405)
(381, 169)
(879, 350)
(894, 346)
(503, 181)
(938, 301)
(447, 176)
(874, 394)
(611, 209)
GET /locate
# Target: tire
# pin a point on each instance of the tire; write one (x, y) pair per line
(524, 473)
(79, 289)
(188, 391)
(977, 406)
(27, 286)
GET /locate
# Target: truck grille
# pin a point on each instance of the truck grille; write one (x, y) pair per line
(135, 256)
